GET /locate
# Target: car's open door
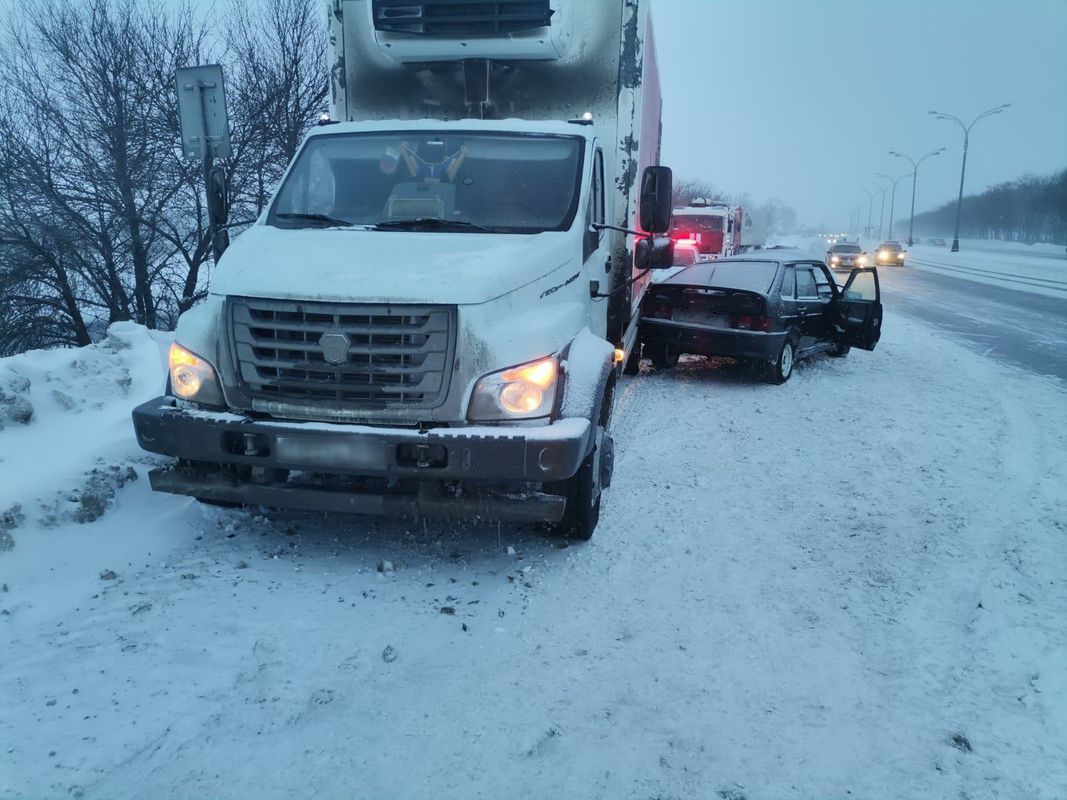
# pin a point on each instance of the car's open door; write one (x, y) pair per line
(859, 309)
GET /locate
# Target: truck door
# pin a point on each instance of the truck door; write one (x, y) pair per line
(597, 263)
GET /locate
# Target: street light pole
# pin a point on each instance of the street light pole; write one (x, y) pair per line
(870, 209)
(963, 168)
(914, 179)
(881, 212)
(893, 200)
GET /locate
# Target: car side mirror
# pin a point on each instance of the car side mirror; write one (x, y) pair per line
(657, 185)
(654, 253)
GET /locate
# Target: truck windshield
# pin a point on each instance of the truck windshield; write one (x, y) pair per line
(433, 181)
(696, 223)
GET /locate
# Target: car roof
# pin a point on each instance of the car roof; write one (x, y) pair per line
(889, 244)
(702, 271)
(778, 254)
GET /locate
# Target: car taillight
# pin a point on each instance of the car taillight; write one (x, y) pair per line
(751, 323)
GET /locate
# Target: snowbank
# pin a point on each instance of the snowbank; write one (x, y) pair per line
(66, 451)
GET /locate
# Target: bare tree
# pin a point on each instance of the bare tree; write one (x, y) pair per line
(277, 51)
(101, 216)
(686, 190)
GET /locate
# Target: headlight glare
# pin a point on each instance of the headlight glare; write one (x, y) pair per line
(193, 378)
(523, 392)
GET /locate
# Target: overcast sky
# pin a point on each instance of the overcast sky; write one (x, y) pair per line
(803, 99)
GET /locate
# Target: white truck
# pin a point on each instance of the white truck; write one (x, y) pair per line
(430, 317)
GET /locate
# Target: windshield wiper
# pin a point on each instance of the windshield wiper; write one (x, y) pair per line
(431, 223)
(322, 219)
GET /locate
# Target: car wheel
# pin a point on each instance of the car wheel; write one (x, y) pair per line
(781, 369)
(584, 491)
(663, 355)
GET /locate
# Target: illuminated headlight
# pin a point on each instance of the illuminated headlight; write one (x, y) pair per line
(834, 259)
(192, 378)
(527, 391)
(861, 259)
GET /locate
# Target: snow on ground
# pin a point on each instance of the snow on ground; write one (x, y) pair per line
(1036, 269)
(852, 585)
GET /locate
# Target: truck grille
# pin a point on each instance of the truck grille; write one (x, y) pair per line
(343, 355)
(454, 18)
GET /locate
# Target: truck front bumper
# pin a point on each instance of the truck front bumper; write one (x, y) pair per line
(256, 456)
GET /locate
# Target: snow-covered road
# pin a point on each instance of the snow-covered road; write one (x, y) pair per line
(853, 585)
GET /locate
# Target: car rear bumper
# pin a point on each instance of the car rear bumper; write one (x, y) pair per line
(541, 453)
(703, 341)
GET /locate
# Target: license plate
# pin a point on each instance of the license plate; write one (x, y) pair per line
(699, 317)
(329, 451)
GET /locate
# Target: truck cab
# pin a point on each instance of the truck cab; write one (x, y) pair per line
(707, 224)
(429, 318)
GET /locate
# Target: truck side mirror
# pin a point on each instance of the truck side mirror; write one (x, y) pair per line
(654, 253)
(657, 184)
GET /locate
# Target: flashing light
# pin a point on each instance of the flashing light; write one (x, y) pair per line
(587, 116)
(619, 355)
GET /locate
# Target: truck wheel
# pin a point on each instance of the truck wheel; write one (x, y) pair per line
(781, 369)
(663, 355)
(585, 489)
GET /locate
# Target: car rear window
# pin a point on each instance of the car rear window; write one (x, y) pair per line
(752, 276)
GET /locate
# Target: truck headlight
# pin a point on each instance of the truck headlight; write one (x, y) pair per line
(192, 378)
(527, 391)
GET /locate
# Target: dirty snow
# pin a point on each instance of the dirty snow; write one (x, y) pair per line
(852, 585)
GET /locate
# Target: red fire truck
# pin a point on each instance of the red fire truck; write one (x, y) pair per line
(713, 227)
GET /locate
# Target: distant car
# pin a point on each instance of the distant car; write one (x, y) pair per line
(890, 253)
(769, 309)
(844, 255)
(938, 242)
(686, 254)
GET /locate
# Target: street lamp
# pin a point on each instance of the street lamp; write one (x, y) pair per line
(881, 211)
(893, 200)
(963, 169)
(914, 178)
(870, 208)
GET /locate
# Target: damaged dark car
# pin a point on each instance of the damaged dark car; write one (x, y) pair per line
(766, 311)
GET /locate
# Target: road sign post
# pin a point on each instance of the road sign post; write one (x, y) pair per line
(205, 132)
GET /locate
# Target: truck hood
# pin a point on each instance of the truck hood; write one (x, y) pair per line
(343, 265)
